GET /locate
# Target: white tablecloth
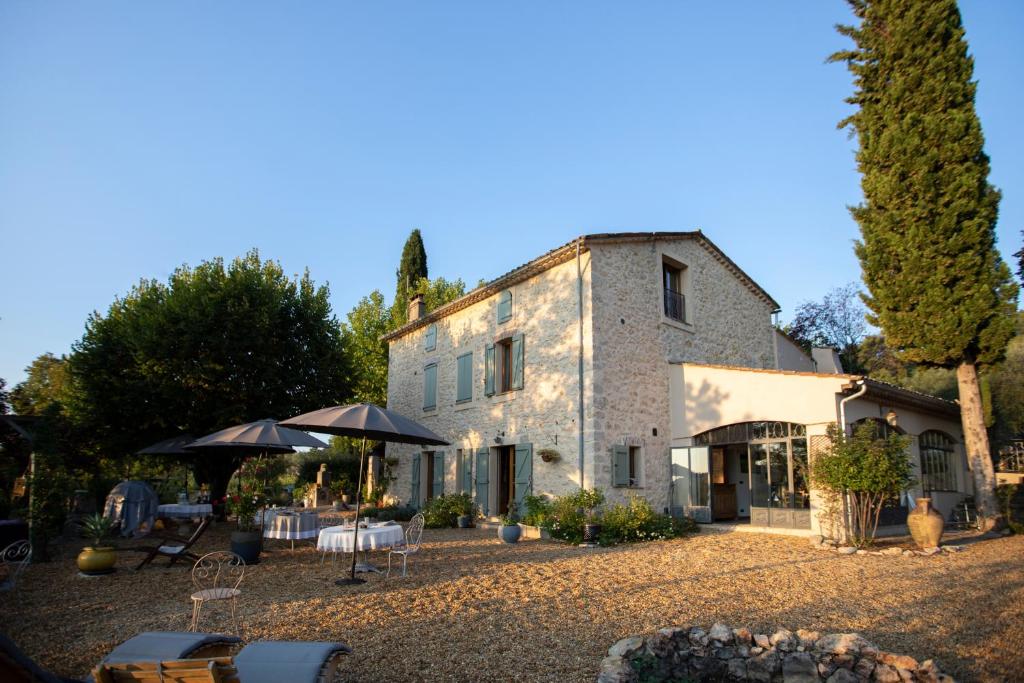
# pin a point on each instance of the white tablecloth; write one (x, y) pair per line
(293, 526)
(186, 511)
(338, 539)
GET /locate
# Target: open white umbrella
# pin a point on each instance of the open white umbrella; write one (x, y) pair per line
(365, 421)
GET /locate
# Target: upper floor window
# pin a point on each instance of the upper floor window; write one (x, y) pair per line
(430, 387)
(626, 465)
(503, 365)
(464, 378)
(673, 280)
(505, 306)
(937, 460)
(430, 340)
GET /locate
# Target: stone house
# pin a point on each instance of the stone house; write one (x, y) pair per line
(577, 368)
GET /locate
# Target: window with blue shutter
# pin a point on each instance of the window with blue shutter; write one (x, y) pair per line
(430, 341)
(464, 378)
(489, 370)
(505, 306)
(467, 471)
(430, 387)
(620, 466)
(482, 483)
(437, 488)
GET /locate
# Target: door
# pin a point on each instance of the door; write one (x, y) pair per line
(691, 482)
(414, 496)
(523, 466)
(482, 483)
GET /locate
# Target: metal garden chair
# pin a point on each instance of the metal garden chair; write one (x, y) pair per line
(216, 577)
(411, 546)
(13, 561)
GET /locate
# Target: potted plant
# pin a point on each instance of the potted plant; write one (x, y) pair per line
(590, 500)
(465, 508)
(96, 559)
(549, 454)
(509, 531)
(245, 541)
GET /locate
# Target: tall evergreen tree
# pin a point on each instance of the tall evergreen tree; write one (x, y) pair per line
(411, 269)
(937, 285)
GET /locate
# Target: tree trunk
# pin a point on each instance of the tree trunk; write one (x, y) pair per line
(976, 445)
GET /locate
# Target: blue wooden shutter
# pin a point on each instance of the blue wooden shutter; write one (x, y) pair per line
(414, 497)
(489, 370)
(505, 306)
(517, 361)
(620, 465)
(482, 456)
(430, 342)
(523, 476)
(437, 487)
(467, 471)
(430, 387)
(464, 378)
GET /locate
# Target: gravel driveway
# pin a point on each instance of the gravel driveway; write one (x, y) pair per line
(474, 609)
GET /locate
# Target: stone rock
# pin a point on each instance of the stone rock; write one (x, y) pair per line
(737, 669)
(763, 667)
(762, 641)
(742, 636)
(931, 551)
(627, 647)
(807, 638)
(742, 651)
(952, 548)
(886, 674)
(725, 652)
(616, 670)
(698, 636)
(908, 553)
(799, 668)
(864, 667)
(843, 661)
(905, 676)
(846, 550)
(943, 678)
(816, 539)
(843, 676)
(891, 551)
(841, 643)
(783, 640)
(862, 552)
(721, 633)
(897, 661)
(662, 643)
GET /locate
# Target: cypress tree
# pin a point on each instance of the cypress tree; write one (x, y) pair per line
(937, 286)
(411, 269)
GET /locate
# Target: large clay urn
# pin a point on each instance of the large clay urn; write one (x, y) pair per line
(925, 524)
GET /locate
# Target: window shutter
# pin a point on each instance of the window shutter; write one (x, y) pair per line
(523, 475)
(482, 456)
(517, 361)
(430, 387)
(430, 342)
(489, 370)
(438, 484)
(467, 471)
(620, 465)
(505, 306)
(414, 496)
(464, 379)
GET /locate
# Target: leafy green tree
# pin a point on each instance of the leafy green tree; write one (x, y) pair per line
(215, 346)
(368, 354)
(45, 386)
(411, 269)
(438, 292)
(837, 322)
(1007, 381)
(937, 286)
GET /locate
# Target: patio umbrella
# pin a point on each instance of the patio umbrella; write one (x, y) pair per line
(172, 446)
(365, 421)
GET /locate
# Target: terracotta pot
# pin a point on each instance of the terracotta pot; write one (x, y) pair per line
(94, 561)
(925, 524)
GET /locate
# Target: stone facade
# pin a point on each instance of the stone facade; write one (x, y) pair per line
(628, 343)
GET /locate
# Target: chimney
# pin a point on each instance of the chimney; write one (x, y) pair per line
(417, 307)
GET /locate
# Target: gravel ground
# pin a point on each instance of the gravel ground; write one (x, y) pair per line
(475, 609)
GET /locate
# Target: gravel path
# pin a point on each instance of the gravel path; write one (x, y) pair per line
(475, 609)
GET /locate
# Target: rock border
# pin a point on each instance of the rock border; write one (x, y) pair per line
(737, 654)
(821, 543)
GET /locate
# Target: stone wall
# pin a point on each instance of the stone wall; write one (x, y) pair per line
(634, 342)
(736, 654)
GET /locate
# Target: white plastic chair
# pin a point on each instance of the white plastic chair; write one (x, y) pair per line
(14, 559)
(411, 546)
(216, 576)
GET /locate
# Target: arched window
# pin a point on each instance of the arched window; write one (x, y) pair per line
(937, 459)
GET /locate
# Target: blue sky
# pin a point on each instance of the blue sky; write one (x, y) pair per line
(135, 137)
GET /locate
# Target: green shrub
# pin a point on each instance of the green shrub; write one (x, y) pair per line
(538, 509)
(635, 521)
(444, 511)
(392, 513)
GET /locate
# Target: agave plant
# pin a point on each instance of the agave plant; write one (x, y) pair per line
(96, 527)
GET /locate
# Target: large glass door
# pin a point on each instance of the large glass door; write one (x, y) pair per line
(691, 482)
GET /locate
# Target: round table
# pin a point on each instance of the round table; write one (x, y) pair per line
(381, 536)
(184, 512)
(290, 526)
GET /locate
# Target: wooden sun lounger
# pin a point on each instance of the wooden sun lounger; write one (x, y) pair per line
(172, 546)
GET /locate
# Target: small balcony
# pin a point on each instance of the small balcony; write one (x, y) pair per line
(675, 305)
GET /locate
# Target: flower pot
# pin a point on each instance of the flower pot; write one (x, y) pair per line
(510, 533)
(925, 524)
(97, 560)
(591, 532)
(246, 544)
(465, 521)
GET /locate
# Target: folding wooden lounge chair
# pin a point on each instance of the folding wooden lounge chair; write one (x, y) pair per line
(174, 547)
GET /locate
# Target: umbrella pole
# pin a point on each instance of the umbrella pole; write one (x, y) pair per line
(355, 531)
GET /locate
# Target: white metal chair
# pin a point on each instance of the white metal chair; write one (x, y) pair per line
(411, 546)
(216, 576)
(13, 561)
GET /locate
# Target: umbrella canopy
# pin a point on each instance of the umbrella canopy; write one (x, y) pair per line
(266, 436)
(172, 446)
(367, 421)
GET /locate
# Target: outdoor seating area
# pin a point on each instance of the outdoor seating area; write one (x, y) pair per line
(538, 610)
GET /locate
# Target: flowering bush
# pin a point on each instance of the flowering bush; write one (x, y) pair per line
(244, 506)
(636, 521)
(444, 510)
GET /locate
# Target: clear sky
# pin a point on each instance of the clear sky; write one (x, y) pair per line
(135, 137)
